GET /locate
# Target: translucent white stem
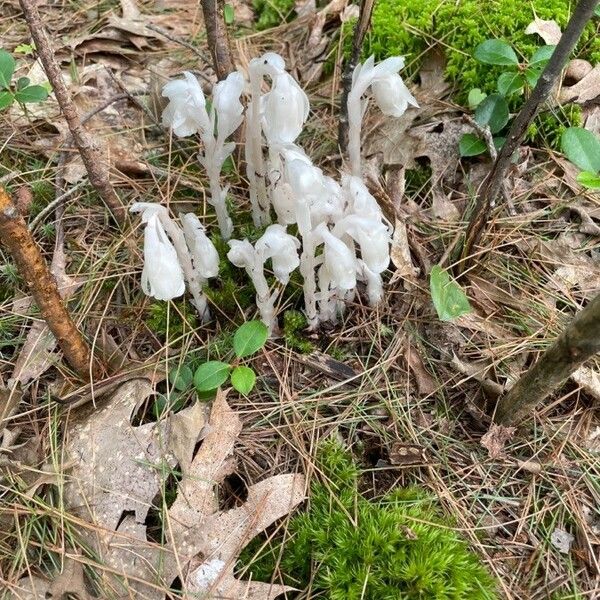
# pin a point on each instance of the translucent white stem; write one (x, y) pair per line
(255, 169)
(355, 115)
(308, 262)
(192, 277)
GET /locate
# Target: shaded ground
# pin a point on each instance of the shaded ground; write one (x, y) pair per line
(410, 411)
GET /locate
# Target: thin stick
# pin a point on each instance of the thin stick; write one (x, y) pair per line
(32, 267)
(217, 37)
(578, 342)
(93, 160)
(362, 26)
(493, 183)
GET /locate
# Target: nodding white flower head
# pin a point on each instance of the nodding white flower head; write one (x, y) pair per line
(204, 255)
(283, 202)
(360, 200)
(390, 92)
(270, 63)
(226, 103)
(241, 253)
(373, 237)
(284, 110)
(186, 112)
(162, 276)
(392, 95)
(338, 259)
(282, 248)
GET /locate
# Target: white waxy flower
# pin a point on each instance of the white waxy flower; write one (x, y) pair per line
(270, 63)
(360, 200)
(162, 276)
(205, 257)
(284, 110)
(226, 103)
(186, 112)
(373, 237)
(241, 253)
(282, 248)
(338, 259)
(392, 95)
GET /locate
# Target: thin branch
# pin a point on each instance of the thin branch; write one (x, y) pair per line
(17, 239)
(494, 181)
(578, 342)
(362, 26)
(218, 37)
(95, 165)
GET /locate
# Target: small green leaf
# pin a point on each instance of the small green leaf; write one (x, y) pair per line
(542, 55)
(6, 99)
(475, 97)
(589, 180)
(496, 52)
(471, 145)
(181, 377)
(211, 375)
(532, 74)
(582, 148)
(493, 111)
(23, 82)
(499, 142)
(510, 83)
(597, 11)
(32, 93)
(228, 14)
(250, 338)
(7, 68)
(25, 49)
(243, 379)
(448, 298)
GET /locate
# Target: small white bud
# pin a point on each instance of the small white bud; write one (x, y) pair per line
(186, 112)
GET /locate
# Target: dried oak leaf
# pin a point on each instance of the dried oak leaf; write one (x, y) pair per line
(495, 439)
(120, 470)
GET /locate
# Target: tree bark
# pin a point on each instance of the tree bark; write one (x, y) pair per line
(578, 342)
(360, 30)
(493, 183)
(17, 239)
(95, 165)
(218, 38)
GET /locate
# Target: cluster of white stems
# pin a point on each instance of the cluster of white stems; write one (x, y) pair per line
(344, 237)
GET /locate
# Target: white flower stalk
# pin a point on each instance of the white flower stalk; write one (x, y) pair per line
(270, 63)
(180, 265)
(389, 91)
(282, 249)
(186, 113)
(205, 257)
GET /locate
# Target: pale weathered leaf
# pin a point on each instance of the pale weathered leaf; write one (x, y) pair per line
(549, 31)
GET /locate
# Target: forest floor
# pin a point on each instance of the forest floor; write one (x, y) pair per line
(398, 387)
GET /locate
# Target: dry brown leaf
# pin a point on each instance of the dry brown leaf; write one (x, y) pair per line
(118, 473)
(584, 90)
(495, 439)
(70, 583)
(588, 378)
(30, 588)
(426, 384)
(400, 252)
(549, 31)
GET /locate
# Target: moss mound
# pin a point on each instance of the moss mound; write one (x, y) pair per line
(349, 548)
(409, 28)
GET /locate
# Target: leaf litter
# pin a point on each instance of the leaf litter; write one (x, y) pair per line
(117, 472)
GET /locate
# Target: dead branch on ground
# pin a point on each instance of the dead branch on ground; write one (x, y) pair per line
(96, 166)
(17, 239)
(578, 342)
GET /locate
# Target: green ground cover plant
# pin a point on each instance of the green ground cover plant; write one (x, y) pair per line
(346, 547)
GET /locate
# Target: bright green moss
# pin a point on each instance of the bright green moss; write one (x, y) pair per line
(174, 321)
(548, 126)
(294, 322)
(409, 28)
(271, 13)
(399, 547)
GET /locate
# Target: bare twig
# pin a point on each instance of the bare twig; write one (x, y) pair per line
(578, 342)
(32, 267)
(218, 38)
(91, 155)
(364, 20)
(493, 183)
